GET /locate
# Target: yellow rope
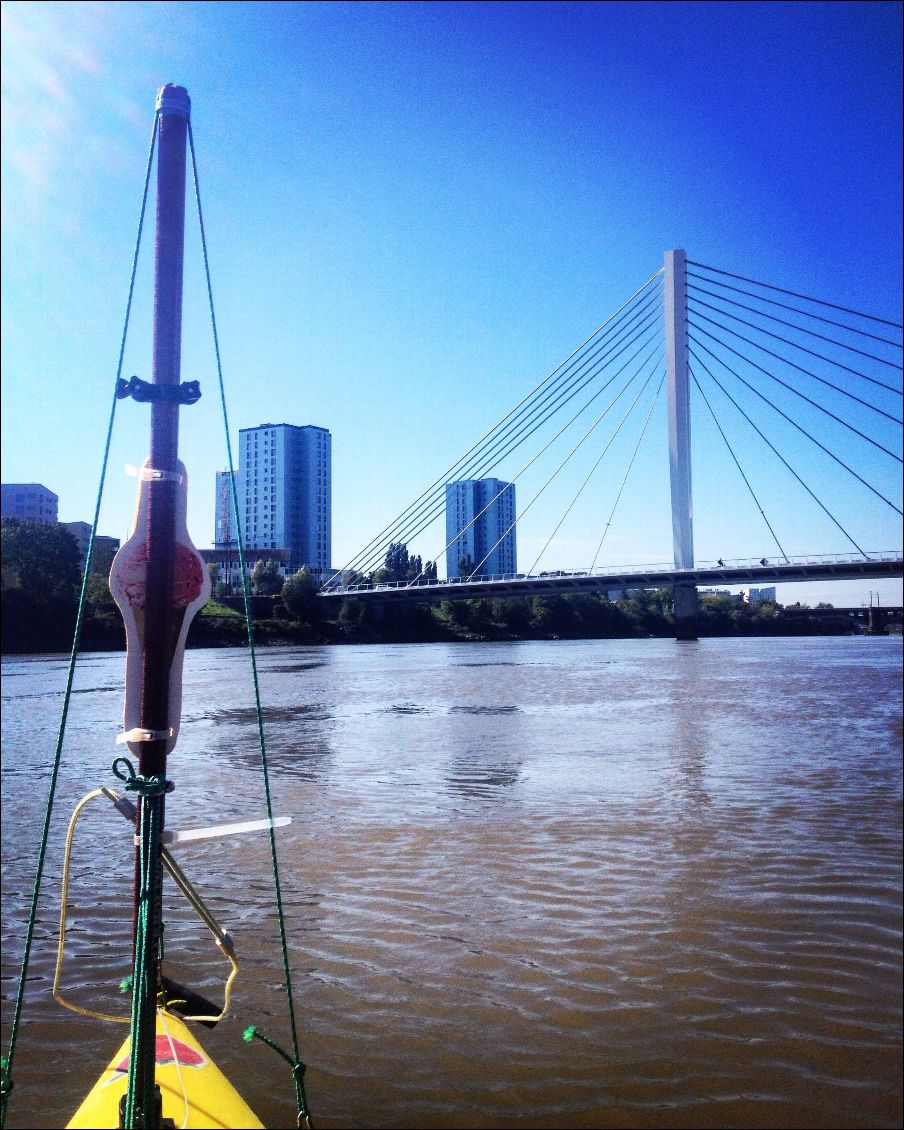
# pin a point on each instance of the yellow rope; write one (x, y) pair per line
(222, 939)
(64, 900)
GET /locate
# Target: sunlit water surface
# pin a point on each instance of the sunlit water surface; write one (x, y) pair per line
(593, 884)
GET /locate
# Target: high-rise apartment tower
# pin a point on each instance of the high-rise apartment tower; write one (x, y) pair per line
(284, 487)
(480, 526)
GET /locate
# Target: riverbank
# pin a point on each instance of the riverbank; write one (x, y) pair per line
(644, 617)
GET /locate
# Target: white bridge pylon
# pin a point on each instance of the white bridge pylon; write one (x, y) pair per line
(679, 414)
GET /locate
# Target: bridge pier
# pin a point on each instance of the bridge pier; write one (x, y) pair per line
(876, 622)
(686, 607)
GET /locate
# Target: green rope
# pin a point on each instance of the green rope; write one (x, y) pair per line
(7, 1082)
(140, 1096)
(248, 624)
(298, 1070)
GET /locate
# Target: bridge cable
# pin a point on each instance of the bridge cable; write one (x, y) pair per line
(491, 455)
(784, 322)
(627, 473)
(796, 294)
(571, 453)
(796, 310)
(494, 456)
(790, 388)
(821, 505)
(552, 441)
(592, 471)
(435, 496)
(524, 401)
(791, 364)
(786, 341)
(739, 467)
(567, 458)
(801, 429)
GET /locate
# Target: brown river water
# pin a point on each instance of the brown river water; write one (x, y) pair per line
(571, 884)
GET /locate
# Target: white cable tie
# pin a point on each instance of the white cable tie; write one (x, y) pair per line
(139, 735)
(153, 475)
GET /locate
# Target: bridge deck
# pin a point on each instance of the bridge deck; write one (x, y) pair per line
(755, 574)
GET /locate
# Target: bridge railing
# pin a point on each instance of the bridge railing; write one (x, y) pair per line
(751, 563)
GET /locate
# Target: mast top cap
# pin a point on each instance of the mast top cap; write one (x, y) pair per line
(173, 99)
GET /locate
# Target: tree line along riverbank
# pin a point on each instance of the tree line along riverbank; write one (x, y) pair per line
(41, 581)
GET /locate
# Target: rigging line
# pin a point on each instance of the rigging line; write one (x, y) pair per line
(527, 398)
(627, 472)
(793, 344)
(518, 424)
(796, 310)
(595, 465)
(796, 294)
(490, 454)
(791, 364)
(437, 505)
(802, 396)
(740, 468)
(513, 435)
(70, 671)
(549, 444)
(775, 408)
(248, 621)
(800, 329)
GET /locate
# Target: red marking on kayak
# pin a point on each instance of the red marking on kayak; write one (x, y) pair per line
(167, 1049)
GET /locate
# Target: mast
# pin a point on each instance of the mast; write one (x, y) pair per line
(159, 582)
(173, 109)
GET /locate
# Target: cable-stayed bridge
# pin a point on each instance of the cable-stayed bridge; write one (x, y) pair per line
(797, 433)
(614, 579)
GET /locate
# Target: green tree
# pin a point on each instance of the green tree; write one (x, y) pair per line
(266, 579)
(299, 595)
(98, 595)
(514, 612)
(465, 565)
(41, 560)
(397, 562)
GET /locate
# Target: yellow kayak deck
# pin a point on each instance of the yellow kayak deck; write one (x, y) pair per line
(195, 1092)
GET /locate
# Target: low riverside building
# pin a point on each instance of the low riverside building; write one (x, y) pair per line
(30, 501)
(757, 596)
(105, 548)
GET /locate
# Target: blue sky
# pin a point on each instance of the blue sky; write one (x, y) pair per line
(415, 212)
